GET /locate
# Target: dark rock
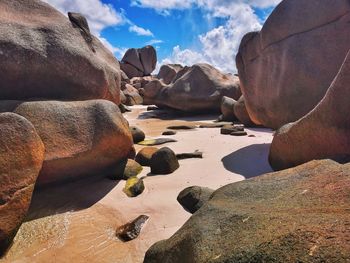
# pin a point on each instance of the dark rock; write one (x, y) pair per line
(152, 107)
(21, 158)
(167, 133)
(133, 187)
(144, 156)
(164, 161)
(213, 125)
(127, 169)
(153, 142)
(124, 108)
(193, 198)
(182, 127)
(131, 230)
(196, 154)
(296, 215)
(137, 134)
(229, 129)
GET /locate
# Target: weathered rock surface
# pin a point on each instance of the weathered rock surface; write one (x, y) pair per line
(144, 156)
(43, 54)
(157, 141)
(131, 230)
(126, 169)
(241, 113)
(164, 161)
(134, 187)
(132, 96)
(139, 62)
(81, 138)
(199, 88)
(286, 69)
(297, 215)
(227, 112)
(21, 158)
(168, 72)
(192, 198)
(137, 134)
(322, 133)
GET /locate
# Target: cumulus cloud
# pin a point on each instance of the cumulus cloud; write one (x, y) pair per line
(140, 31)
(219, 46)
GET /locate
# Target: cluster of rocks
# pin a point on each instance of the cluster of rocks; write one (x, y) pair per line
(59, 115)
(300, 214)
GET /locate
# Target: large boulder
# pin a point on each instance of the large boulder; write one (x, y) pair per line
(297, 215)
(43, 54)
(287, 67)
(199, 88)
(168, 72)
(21, 158)
(241, 113)
(139, 62)
(81, 138)
(323, 133)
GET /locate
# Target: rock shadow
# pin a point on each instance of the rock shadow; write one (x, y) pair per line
(249, 161)
(72, 196)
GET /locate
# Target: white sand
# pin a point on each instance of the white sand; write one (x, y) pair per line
(88, 212)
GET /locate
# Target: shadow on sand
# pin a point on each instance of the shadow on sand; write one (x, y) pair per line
(249, 161)
(71, 196)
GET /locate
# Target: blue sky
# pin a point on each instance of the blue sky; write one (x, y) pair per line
(183, 31)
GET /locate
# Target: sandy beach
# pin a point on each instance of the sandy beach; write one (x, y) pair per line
(76, 222)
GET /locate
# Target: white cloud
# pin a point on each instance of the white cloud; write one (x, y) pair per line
(140, 31)
(98, 14)
(219, 46)
(154, 41)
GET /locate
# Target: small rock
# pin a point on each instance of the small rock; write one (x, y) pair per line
(196, 154)
(252, 135)
(229, 129)
(158, 141)
(123, 108)
(137, 134)
(212, 125)
(182, 127)
(126, 169)
(227, 105)
(144, 156)
(152, 107)
(131, 230)
(134, 187)
(192, 198)
(164, 161)
(239, 133)
(169, 133)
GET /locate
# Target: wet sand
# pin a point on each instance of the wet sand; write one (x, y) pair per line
(76, 222)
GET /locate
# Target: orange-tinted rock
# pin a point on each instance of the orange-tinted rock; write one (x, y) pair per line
(45, 55)
(322, 133)
(296, 215)
(144, 156)
(81, 138)
(286, 69)
(21, 158)
(132, 96)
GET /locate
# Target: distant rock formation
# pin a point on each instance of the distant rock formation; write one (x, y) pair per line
(44, 55)
(287, 67)
(139, 62)
(296, 215)
(199, 88)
